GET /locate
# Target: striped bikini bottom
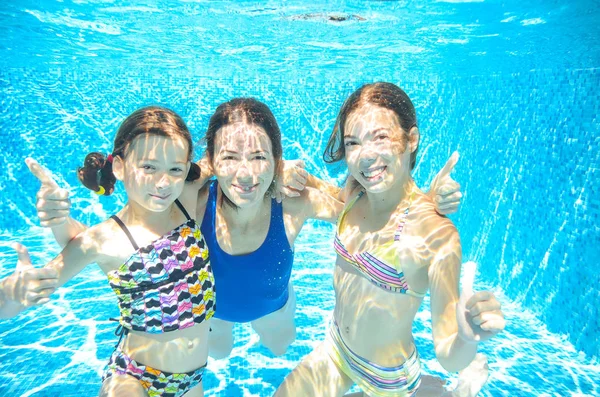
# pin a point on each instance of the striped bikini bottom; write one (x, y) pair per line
(377, 381)
(157, 383)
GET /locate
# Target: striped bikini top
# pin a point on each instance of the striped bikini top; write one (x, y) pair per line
(383, 270)
(167, 285)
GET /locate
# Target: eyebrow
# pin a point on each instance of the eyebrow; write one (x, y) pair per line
(156, 161)
(255, 152)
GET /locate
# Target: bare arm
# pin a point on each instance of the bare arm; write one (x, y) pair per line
(29, 286)
(53, 206)
(453, 352)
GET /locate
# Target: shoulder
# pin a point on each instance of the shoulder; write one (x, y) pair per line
(307, 203)
(95, 240)
(438, 231)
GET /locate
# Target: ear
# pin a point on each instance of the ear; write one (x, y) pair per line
(413, 139)
(278, 167)
(118, 167)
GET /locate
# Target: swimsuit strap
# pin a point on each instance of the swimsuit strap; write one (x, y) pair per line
(346, 209)
(120, 223)
(403, 218)
(182, 209)
(128, 233)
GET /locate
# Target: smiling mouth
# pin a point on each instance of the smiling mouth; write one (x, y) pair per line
(373, 173)
(245, 189)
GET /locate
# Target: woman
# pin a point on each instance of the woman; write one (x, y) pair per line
(392, 248)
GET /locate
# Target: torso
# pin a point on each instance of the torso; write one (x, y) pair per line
(375, 322)
(252, 265)
(175, 351)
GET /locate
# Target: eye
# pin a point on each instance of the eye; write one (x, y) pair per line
(177, 170)
(381, 137)
(228, 157)
(260, 157)
(148, 167)
(350, 143)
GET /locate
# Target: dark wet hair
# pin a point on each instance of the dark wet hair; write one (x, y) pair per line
(96, 173)
(248, 111)
(385, 95)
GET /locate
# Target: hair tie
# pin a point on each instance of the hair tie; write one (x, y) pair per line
(100, 191)
(109, 158)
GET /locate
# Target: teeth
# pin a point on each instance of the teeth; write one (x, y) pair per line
(372, 173)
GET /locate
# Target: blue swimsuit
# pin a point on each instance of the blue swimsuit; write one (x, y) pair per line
(252, 285)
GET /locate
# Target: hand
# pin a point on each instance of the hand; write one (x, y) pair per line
(445, 191)
(53, 204)
(206, 171)
(292, 180)
(29, 286)
(479, 315)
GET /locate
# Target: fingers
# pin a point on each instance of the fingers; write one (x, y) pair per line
(468, 277)
(449, 166)
(41, 285)
(494, 324)
(482, 301)
(37, 298)
(289, 192)
(53, 194)
(23, 259)
(50, 215)
(447, 209)
(447, 186)
(53, 206)
(299, 163)
(449, 199)
(297, 183)
(41, 174)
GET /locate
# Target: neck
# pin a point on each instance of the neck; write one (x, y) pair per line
(246, 216)
(135, 214)
(389, 200)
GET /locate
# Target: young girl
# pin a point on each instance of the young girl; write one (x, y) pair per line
(153, 253)
(249, 235)
(392, 247)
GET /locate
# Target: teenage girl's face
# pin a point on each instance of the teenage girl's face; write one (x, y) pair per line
(154, 170)
(243, 163)
(377, 149)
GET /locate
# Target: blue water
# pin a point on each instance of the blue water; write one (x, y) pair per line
(512, 85)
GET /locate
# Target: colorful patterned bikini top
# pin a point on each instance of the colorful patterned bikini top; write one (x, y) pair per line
(383, 270)
(167, 285)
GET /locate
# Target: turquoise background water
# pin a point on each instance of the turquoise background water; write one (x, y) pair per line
(512, 85)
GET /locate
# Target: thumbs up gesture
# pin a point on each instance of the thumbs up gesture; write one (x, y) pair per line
(27, 286)
(479, 315)
(445, 191)
(53, 204)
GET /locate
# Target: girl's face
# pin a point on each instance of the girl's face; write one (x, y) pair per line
(154, 170)
(377, 149)
(243, 163)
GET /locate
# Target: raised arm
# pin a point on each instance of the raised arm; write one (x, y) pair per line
(459, 324)
(53, 206)
(29, 286)
(445, 191)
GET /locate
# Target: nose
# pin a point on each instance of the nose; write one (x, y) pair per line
(163, 182)
(243, 172)
(368, 155)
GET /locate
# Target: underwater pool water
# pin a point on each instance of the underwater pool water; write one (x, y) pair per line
(511, 85)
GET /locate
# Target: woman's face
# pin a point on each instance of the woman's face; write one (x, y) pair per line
(243, 163)
(377, 149)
